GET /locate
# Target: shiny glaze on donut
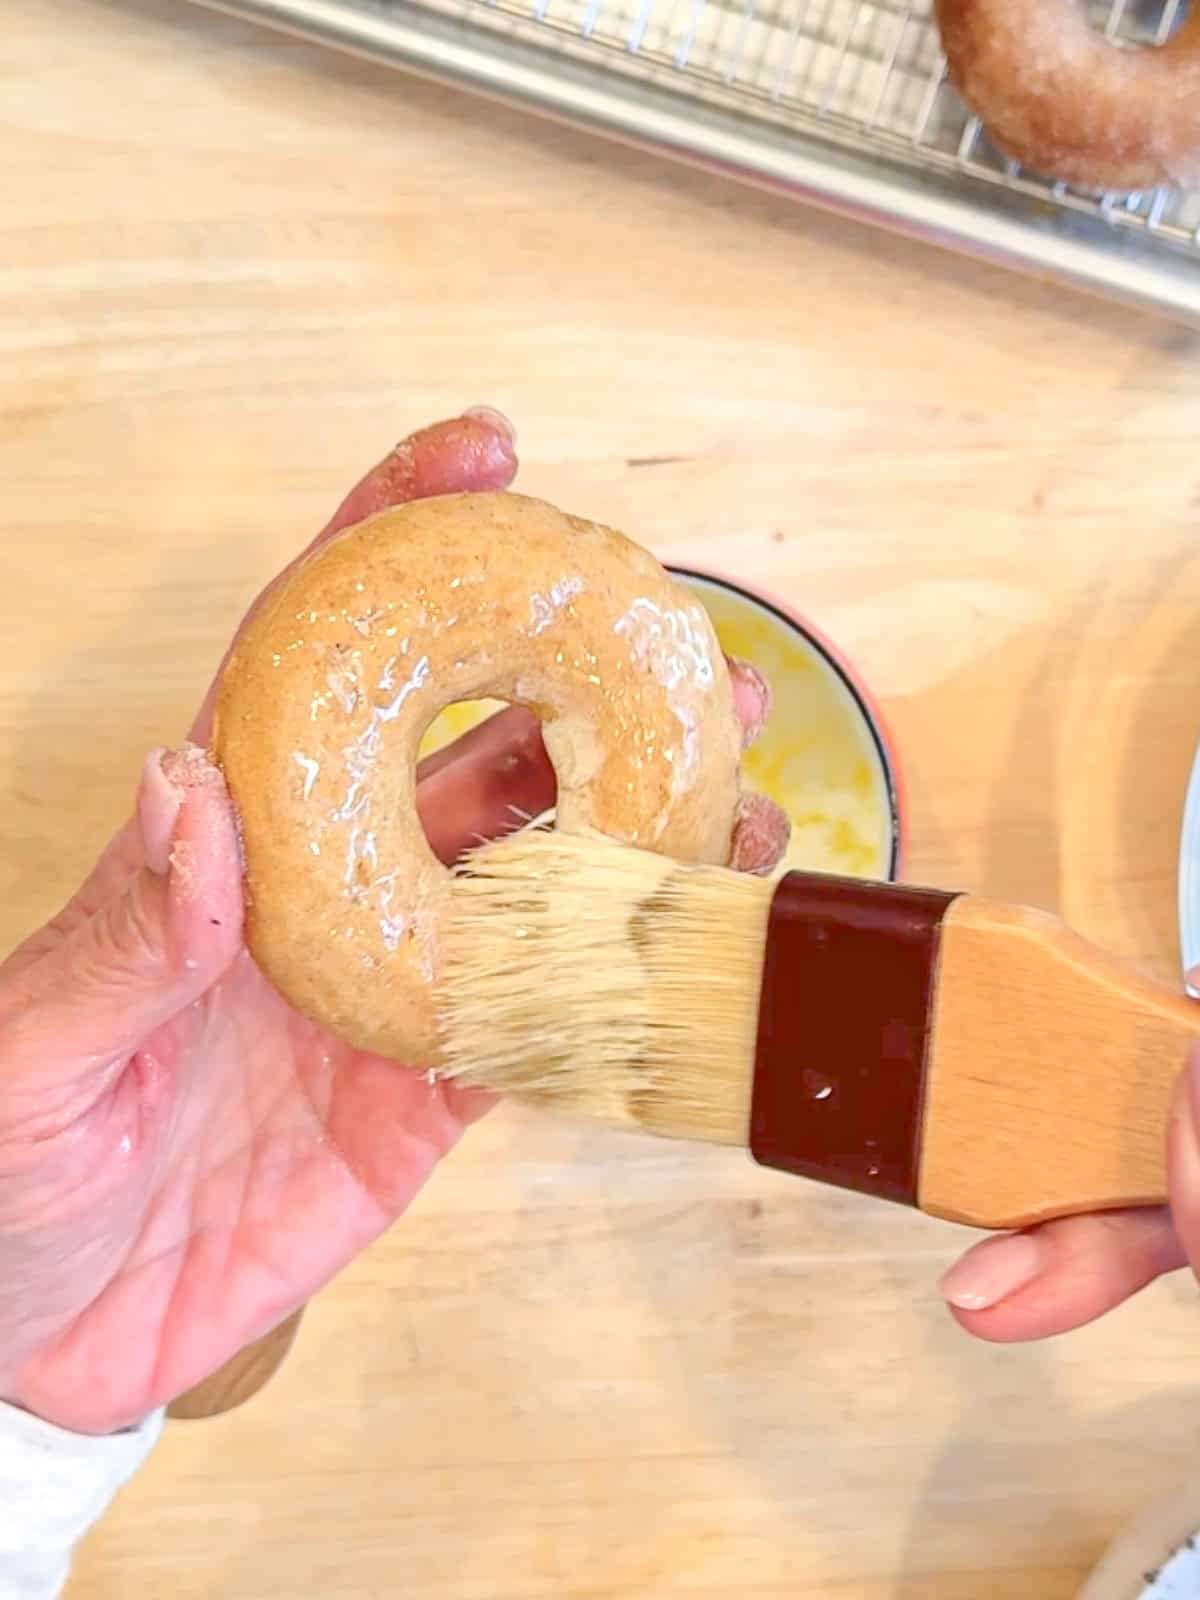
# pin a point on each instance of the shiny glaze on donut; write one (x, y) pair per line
(335, 679)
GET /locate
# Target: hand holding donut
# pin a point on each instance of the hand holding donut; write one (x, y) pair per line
(184, 1158)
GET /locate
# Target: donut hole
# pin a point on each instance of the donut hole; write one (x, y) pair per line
(504, 781)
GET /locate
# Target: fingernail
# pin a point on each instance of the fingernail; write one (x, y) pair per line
(993, 1270)
(167, 776)
(159, 803)
(494, 419)
(752, 696)
(760, 835)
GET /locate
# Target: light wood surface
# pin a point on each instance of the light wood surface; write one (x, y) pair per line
(231, 271)
(1051, 1072)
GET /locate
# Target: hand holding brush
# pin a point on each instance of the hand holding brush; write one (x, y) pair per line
(974, 1059)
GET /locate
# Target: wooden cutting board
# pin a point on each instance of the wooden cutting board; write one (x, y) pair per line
(586, 1367)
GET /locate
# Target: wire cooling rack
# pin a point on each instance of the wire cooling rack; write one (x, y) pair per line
(843, 103)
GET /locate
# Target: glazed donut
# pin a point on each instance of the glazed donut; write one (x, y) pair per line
(324, 700)
(1064, 101)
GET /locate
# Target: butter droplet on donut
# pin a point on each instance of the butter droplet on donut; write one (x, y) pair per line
(343, 686)
(544, 605)
(310, 768)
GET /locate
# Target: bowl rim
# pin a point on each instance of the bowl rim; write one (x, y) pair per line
(835, 660)
(1149, 1541)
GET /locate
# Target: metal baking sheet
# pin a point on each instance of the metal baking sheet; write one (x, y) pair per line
(841, 103)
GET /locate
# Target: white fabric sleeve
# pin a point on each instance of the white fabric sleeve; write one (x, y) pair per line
(54, 1486)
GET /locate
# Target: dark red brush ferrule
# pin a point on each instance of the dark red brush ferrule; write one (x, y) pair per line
(843, 1028)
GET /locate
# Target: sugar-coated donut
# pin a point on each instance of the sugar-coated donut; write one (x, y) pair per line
(1059, 97)
(335, 679)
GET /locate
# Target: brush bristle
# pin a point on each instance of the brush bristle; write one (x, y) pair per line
(607, 982)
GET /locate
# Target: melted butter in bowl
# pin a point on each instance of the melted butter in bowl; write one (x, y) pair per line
(822, 756)
(454, 721)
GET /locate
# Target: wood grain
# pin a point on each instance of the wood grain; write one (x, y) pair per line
(1051, 1072)
(231, 271)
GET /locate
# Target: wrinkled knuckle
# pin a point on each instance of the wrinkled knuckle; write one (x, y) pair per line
(130, 936)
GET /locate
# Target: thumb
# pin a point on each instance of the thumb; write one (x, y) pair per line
(153, 948)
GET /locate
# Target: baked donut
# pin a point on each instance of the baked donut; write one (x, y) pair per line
(1068, 103)
(326, 696)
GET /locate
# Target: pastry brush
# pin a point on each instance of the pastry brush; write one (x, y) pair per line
(974, 1059)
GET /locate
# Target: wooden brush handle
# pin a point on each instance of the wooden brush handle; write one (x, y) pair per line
(241, 1377)
(1049, 1074)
